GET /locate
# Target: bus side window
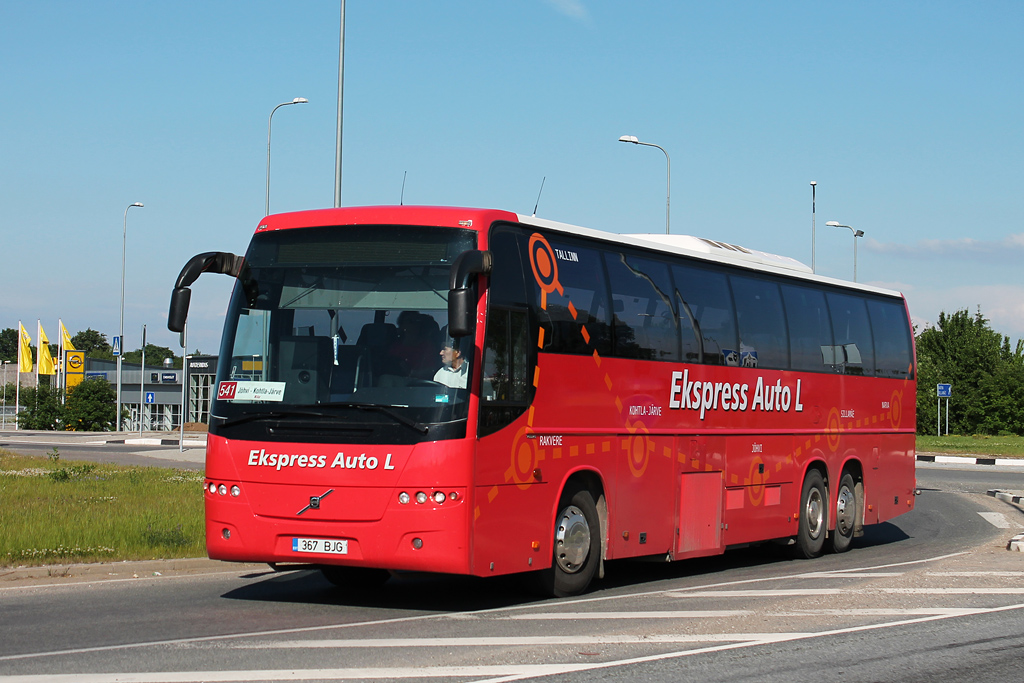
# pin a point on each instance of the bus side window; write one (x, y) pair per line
(505, 385)
(578, 320)
(646, 326)
(893, 357)
(705, 293)
(508, 356)
(810, 330)
(854, 348)
(764, 340)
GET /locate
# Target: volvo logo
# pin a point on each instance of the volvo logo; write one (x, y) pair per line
(314, 502)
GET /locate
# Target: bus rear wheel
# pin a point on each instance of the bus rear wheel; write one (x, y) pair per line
(810, 538)
(846, 514)
(577, 546)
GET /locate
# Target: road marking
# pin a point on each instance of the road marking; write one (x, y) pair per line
(981, 573)
(511, 641)
(659, 614)
(996, 519)
(497, 673)
(457, 615)
(808, 592)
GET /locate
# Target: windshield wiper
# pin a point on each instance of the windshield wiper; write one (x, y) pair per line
(397, 417)
(274, 415)
(278, 414)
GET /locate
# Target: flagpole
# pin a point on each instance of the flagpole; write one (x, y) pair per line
(39, 326)
(17, 390)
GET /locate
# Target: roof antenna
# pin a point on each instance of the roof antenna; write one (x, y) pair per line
(538, 197)
(401, 200)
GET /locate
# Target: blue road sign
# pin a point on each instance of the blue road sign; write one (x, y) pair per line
(944, 390)
(150, 397)
(116, 346)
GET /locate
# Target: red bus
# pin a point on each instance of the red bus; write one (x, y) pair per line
(479, 392)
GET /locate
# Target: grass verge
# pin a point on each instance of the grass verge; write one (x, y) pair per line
(56, 511)
(978, 444)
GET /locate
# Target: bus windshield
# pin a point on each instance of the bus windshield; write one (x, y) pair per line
(338, 318)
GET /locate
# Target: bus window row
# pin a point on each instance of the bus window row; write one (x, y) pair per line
(644, 305)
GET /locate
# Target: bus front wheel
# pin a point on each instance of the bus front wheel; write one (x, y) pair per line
(577, 546)
(810, 538)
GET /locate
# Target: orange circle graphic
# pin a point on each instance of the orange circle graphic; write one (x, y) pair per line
(543, 264)
(896, 406)
(832, 429)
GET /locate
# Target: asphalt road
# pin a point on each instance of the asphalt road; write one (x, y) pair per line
(933, 596)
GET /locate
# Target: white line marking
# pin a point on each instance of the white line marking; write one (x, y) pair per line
(996, 519)
(807, 592)
(659, 614)
(462, 615)
(509, 641)
(498, 673)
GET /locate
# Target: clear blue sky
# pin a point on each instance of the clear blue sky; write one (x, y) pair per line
(909, 115)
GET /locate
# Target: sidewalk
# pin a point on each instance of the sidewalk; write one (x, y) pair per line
(192, 439)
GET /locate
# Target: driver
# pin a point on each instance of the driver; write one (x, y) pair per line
(455, 370)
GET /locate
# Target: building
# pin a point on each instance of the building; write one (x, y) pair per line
(154, 395)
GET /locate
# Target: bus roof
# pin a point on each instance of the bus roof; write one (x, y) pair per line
(479, 219)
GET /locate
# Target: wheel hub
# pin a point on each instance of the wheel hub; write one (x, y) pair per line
(572, 540)
(845, 507)
(815, 514)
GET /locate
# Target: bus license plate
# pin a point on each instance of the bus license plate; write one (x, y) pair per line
(319, 545)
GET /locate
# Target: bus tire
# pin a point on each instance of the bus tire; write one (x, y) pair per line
(355, 578)
(577, 546)
(846, 514)
(813, 524)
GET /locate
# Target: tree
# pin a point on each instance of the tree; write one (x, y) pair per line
(154, 356)
(42, 408)
(90, 406)
(94, 344)
(987, 376)
(9, 344)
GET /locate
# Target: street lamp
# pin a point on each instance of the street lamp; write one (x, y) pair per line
(297, 100)
(814, 186)
(668, 171)
(120, 332)
(856, 234)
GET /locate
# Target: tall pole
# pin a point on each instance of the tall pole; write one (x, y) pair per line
(814, 187)
(270, 120)
(120, 329)
(6, 363)
(142, 381)
(341, 109)
(184, 384)
(668, 172)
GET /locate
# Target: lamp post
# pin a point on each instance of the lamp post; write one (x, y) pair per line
(856, 234)
(297, 100)
(814, 186)
(120, 329)
(668, 171)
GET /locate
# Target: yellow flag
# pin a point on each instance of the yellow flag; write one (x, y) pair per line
(24, 350)
(65, 338)
(46, 365)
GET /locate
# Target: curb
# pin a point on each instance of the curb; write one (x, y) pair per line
(1005, 496)
(1016, 543)
(129, 569)
(968, 460)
